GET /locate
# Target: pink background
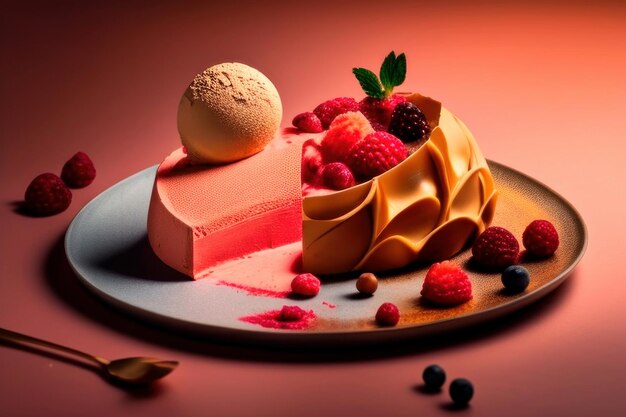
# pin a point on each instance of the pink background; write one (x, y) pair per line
(541, 86)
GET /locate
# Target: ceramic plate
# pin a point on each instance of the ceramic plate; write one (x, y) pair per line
(107, 246)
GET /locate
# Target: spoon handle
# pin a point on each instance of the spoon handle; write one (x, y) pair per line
(29, 340)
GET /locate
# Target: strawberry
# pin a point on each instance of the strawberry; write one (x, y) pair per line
(377, 126)
(379, 110)
(328, 110)
(78, 171)
(375, 154)
(346, 130)
(47, 195)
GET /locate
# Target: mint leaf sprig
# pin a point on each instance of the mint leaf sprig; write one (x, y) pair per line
(392, 74)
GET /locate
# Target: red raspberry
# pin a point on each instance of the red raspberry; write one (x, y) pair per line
(446, 284)
(496, 248)
(346, 130)
(387, 314)
(79, 171)
(47, 195)
(311, 161)
(328, 110)
(379, 110)
(337, 176)
(291, 313)
(540, 238)
(305, 284)
(307, 122)
(375, 154)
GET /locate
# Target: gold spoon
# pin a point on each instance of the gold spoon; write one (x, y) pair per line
(138, 370)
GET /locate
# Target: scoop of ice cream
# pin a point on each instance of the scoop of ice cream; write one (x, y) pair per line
(229, 111)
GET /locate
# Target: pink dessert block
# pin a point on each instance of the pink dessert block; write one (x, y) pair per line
(201, 215)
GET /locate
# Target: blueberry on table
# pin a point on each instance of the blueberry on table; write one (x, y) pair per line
(434, 376)
(515, 278)
(461, 391)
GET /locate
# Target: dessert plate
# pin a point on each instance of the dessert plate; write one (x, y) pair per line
(106, 245)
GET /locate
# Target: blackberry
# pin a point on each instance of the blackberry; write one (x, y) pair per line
(409, 123)
(461, 391)
(434, 376)
(515, 278)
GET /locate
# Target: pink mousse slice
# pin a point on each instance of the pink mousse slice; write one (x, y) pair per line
(203, 215)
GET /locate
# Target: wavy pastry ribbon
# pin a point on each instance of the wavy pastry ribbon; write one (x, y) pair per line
(427, 208)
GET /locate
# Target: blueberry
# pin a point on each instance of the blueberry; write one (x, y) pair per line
(515, 278)
(434, 376)
(461, 391)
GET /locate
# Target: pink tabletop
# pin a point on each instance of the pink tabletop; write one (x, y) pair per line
(542, 88)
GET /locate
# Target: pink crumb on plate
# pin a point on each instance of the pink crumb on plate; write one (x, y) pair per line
(259, 292)
(273, 319)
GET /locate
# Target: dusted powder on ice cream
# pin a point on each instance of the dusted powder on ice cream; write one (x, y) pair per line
(229, 111)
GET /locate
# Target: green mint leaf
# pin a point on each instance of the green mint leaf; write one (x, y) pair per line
(369, 82)
(399, 70)
(392, 72)
(387, 71)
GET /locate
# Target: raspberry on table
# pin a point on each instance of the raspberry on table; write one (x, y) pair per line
(47, 194)
(446, 284)
(409, 123)
(540, 238)
(328, 110)
(307, 122)
(337, 176)
(387, 314)
(379, 110)
(495, 248)
(346, 130)
(78, 171)
(375, 154)
(307, 285)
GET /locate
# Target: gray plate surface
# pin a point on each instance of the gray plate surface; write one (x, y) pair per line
(107, 246)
